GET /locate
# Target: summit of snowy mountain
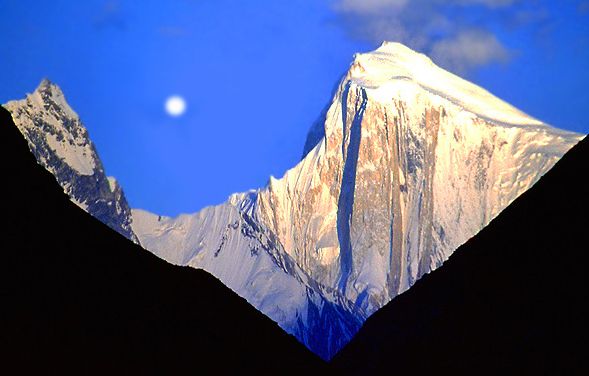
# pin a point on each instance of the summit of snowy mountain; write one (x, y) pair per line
(394, 70)
(49, 89)
(61, 144)
(406, 164)
(409, 163)
(70, 141)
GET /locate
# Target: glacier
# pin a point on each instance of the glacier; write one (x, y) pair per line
(406, 164)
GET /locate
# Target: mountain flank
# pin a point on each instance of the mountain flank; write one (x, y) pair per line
(77, 297)
(511, 300)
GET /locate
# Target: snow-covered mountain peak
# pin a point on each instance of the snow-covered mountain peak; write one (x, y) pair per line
(406, 164)
(389, 62)
(394, 70)
(62, 130)
(48, 91)
(61, 144)
(398, 53)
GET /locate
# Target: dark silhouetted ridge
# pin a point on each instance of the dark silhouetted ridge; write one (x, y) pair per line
(512, 300)
(79, 298)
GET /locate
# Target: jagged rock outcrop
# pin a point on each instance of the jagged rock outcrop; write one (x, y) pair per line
(61, 144)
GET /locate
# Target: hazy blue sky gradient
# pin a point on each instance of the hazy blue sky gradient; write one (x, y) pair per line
(256, 75)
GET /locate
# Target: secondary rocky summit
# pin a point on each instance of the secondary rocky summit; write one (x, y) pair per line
(61, 144)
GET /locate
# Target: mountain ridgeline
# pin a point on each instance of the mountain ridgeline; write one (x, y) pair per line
(61, 144)
(407, 163)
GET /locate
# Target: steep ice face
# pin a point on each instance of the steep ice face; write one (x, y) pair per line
(230, 243)
(61, 144)
(408, 163)
(412, 162)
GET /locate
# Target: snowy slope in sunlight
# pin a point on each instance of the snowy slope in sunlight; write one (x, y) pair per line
(411, 162)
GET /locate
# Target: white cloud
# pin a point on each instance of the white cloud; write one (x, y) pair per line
(440, 28)
(487, 3)
(369, 6)
(469, 49)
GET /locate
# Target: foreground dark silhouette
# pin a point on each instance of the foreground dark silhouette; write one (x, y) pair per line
(512, 300)
(78, 298)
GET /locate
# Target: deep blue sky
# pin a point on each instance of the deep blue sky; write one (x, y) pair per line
(256, 75)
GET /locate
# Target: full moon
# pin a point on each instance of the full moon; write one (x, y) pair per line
(175, 106)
